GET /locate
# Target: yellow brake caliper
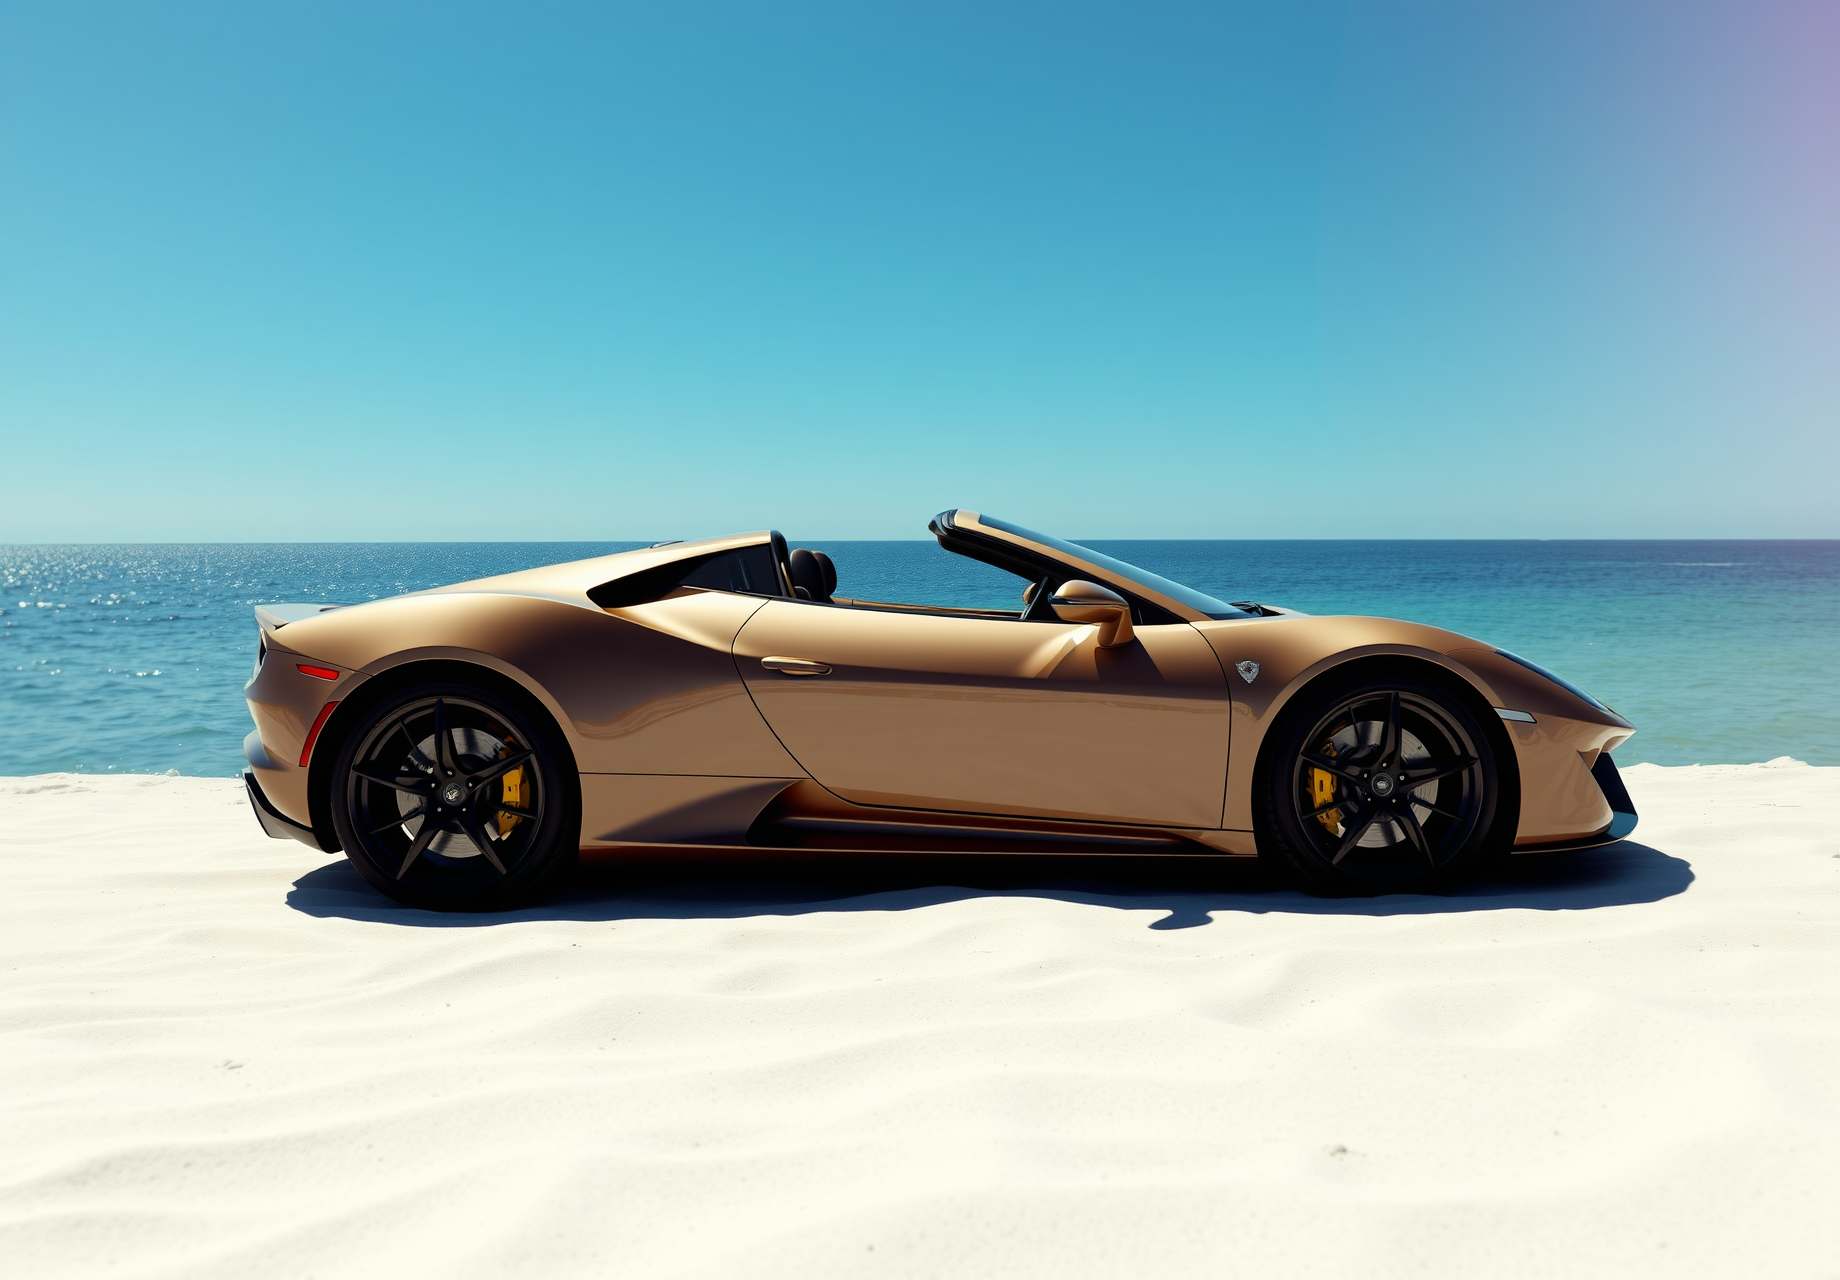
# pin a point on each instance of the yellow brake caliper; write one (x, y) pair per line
(513, 794)
(1322, 792)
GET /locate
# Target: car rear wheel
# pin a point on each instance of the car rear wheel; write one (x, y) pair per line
(452, 798)
(1380, 785)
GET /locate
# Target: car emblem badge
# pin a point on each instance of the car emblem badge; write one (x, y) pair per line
(1249, 671)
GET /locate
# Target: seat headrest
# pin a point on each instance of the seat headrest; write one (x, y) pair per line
(813, 575)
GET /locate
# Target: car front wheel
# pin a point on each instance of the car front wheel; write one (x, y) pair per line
(1380, 785)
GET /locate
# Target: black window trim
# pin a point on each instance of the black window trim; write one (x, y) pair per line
(658, 581)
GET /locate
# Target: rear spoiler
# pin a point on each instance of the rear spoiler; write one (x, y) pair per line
(272, 617)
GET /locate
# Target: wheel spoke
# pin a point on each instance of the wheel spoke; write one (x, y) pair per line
(1448, 813)
(1314, 813)
(1355, 832)
(1389, 744)
(398, 821)
(430, 826)
(498, 767)
(1361, 746)
(516, 813)
(1414, 832)
(1419, 777)
(443, 745)
(1328, 765)
(469, 822)
(414, 783)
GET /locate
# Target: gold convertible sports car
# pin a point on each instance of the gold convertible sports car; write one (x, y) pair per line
(466, 746)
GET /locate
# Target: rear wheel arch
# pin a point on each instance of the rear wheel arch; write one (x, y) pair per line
(351, 712)
(1378, 666)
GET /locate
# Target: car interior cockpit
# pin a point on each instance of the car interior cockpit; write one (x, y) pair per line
(1045, 569)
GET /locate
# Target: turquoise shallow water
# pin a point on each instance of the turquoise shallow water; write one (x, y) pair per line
(132, 658)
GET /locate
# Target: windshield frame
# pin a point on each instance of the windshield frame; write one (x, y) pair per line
(1182, 600)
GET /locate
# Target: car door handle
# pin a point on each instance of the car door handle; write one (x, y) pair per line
(795, 666)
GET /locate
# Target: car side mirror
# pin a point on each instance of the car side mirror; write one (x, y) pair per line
(1088, 602)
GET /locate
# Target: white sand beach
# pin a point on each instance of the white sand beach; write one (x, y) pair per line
(223, 1055)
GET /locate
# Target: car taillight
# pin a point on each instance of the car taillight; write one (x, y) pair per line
(318, 673)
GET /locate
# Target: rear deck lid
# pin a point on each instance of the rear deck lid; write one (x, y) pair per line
(272, 617)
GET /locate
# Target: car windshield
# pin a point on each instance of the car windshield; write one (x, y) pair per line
(1199, 601)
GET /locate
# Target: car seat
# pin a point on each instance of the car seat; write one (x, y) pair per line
(814, 577)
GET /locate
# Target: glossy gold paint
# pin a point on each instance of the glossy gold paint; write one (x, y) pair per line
(1089, 603)
(981, 715)
(691, 716)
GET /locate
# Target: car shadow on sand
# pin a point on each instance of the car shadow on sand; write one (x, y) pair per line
(1189, 891)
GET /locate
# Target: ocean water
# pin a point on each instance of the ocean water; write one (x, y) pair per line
(132, 658)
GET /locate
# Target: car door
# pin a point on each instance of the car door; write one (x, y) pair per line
(993, 715)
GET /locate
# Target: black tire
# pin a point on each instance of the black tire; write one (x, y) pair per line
(1384, 783)
(505, 814)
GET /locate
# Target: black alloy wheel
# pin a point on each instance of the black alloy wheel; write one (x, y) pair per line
(1381, 786)
(452, 798)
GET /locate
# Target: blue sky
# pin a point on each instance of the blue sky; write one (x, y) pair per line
(329, 271)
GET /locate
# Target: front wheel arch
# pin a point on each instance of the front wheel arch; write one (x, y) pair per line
(1508, 767)
(351, 711)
